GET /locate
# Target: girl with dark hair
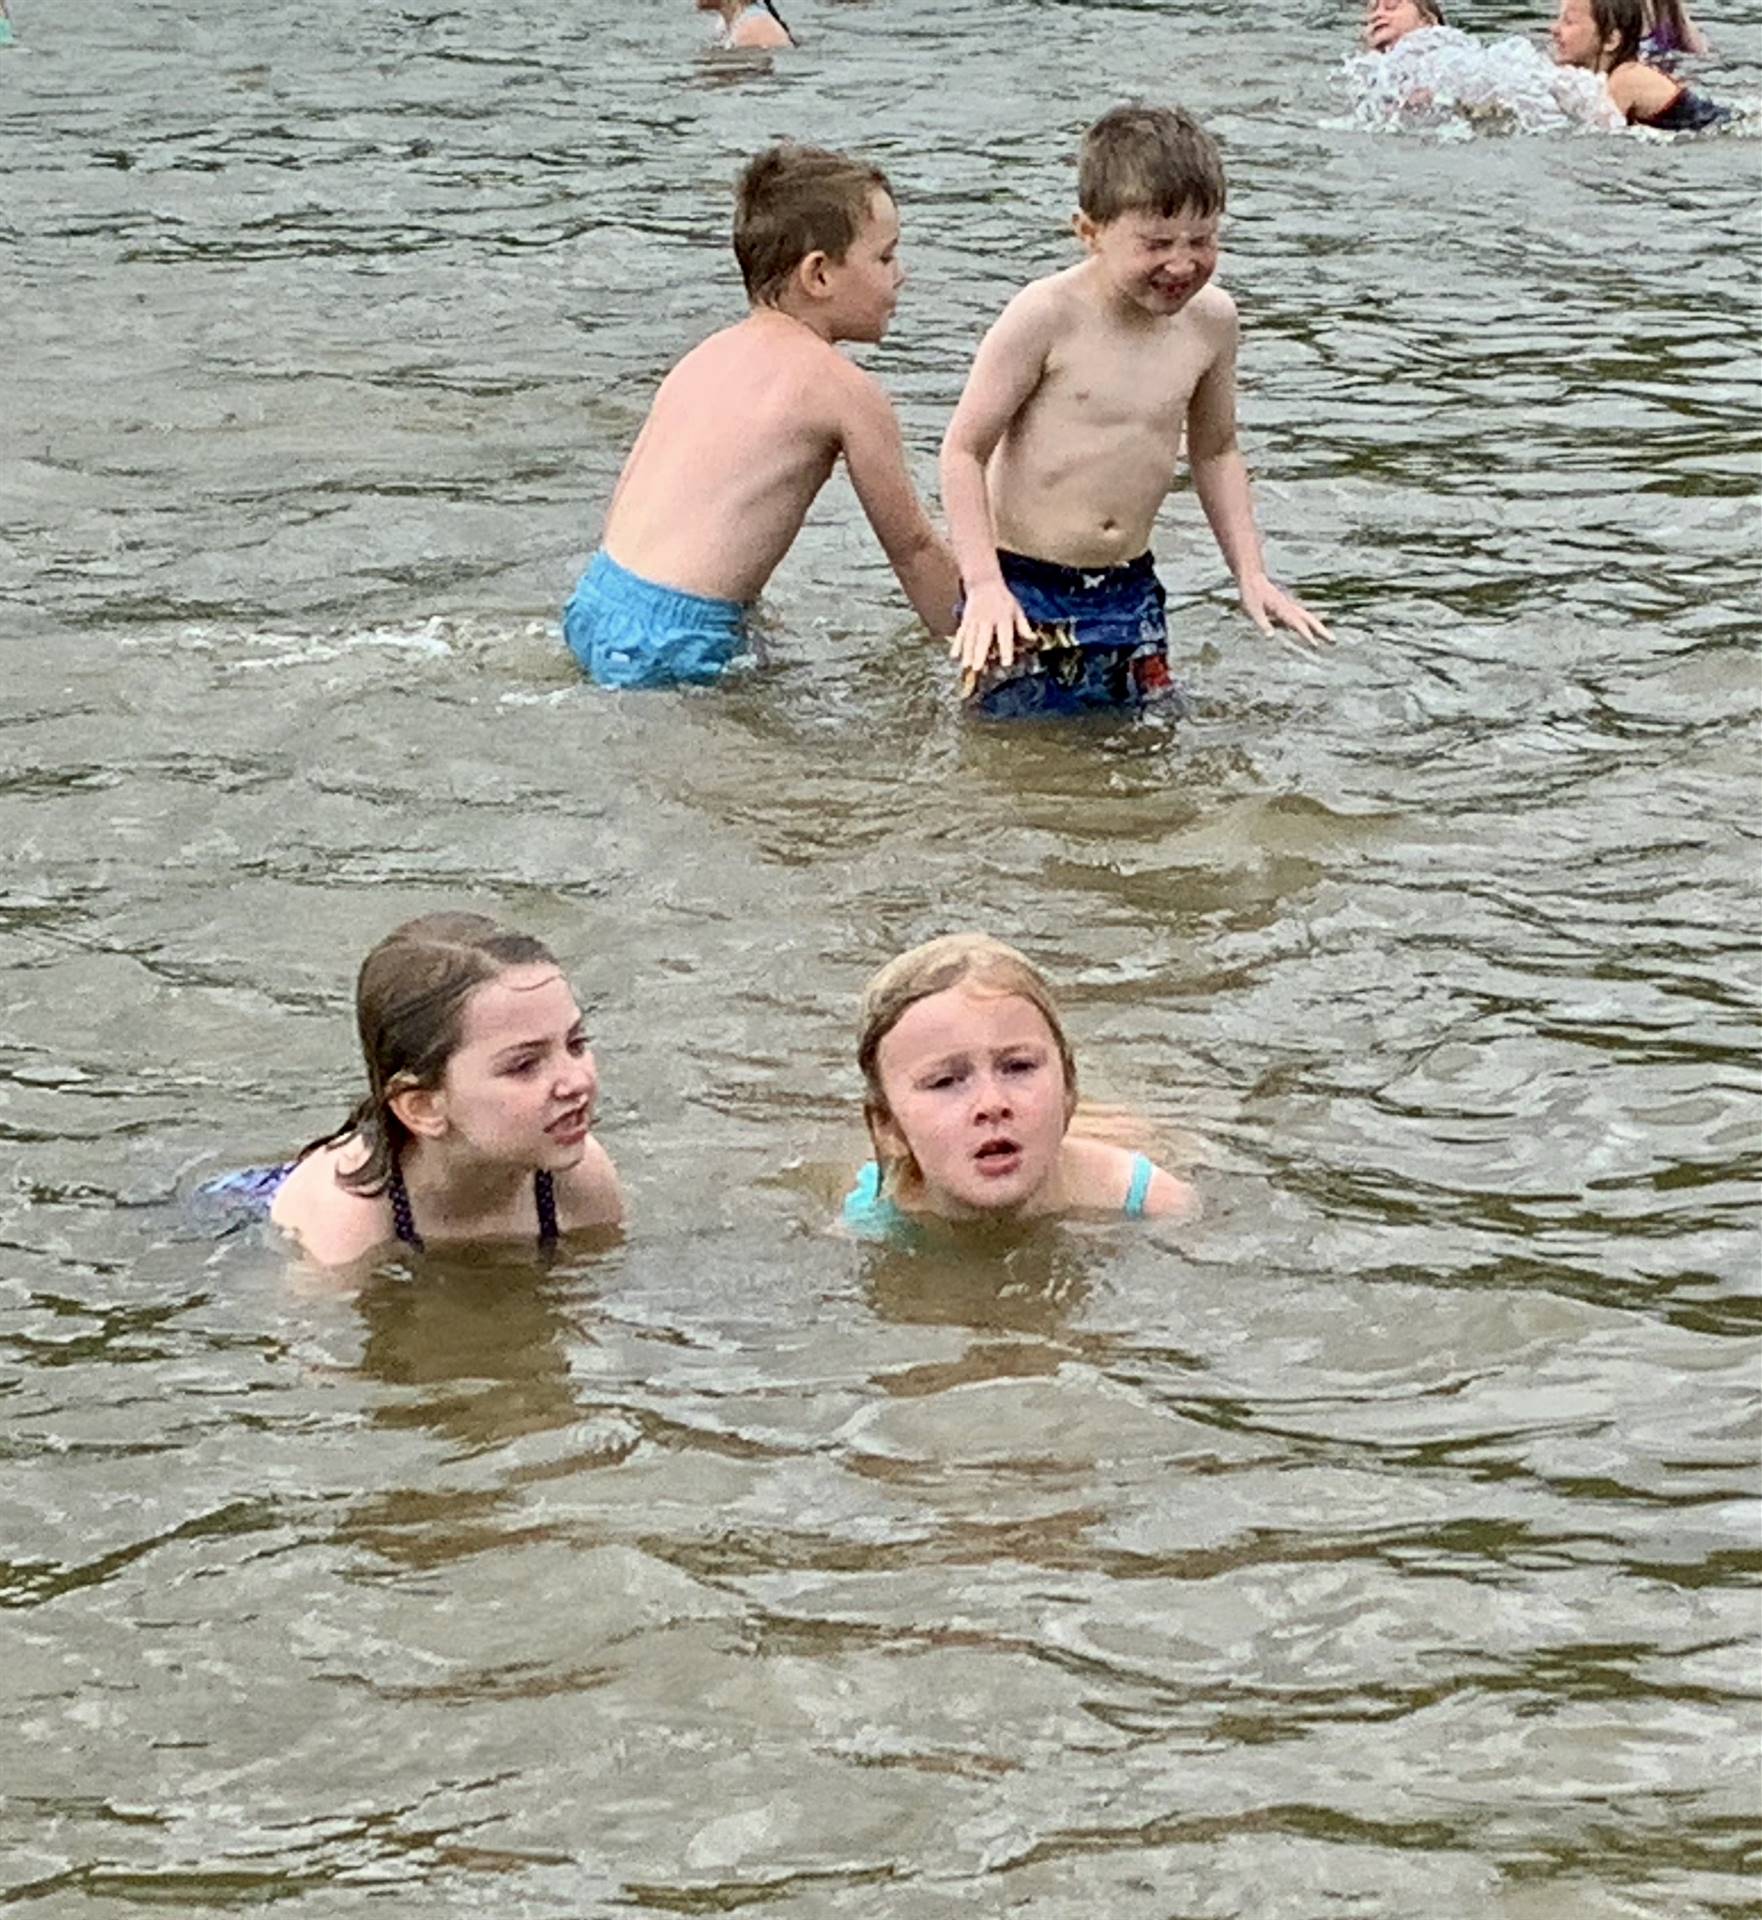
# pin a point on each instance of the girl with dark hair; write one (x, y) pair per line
(1604, 37)
(476, 1124)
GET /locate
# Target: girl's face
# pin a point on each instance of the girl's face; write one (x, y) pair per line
(1574, 33)
(976, 1094)
(520, 1088)
(1387, 21)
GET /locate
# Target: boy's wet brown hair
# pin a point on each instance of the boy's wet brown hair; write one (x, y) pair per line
(791, 201)
(410, 1012)
(1155, 160)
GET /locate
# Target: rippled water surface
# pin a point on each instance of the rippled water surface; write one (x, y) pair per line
(1387, 1543)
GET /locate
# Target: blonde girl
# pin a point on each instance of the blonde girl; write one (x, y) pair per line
(970, 1090)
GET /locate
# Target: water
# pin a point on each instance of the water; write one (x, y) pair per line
(1385, 1545)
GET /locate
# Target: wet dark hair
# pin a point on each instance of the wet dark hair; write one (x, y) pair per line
(1668, 20)
(410, 1000)
(1431, 10)
(1626, 21)
(1156, 160)
(791, 201)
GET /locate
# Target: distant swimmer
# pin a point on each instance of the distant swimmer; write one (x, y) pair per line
(1603, 37)
(1388, 22)
(749, 23)
(5, 26)
(746, 429)
(1669, 32)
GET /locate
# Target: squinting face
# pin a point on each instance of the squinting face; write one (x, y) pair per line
(1575, 37)
(521, 1086)
(866, 282)
(976, 1094)
(1386, 21)
(1155, 263)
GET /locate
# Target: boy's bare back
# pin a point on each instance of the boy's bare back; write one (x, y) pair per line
(742, 435)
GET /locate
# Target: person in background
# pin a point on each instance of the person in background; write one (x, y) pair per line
(1066, 440)
(748, 23)
(1604, 37)
(745, 430)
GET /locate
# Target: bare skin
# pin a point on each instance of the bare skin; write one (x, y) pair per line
(745, 431)
(517, 1095)
(1638, 90)
(747, 26)
(1066, 440)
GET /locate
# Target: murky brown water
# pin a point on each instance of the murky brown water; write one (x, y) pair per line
(1388, 1544)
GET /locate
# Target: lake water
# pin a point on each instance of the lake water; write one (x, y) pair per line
(1387, 1544)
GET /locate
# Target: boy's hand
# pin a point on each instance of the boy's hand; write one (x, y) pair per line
(1267, 605)
(992, 618)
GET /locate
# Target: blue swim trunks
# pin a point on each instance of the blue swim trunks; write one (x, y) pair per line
(627, 632)
(1103, 642)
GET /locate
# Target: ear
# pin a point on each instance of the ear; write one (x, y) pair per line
(884, 1134)
(1085, 229)
(813, 274)
(421, 1111)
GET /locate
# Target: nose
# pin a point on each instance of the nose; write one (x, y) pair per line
(992, 1100)
(580, 1077)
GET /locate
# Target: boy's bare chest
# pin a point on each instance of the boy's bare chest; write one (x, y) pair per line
(1109, 383)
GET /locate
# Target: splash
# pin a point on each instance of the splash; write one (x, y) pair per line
(1441, 80)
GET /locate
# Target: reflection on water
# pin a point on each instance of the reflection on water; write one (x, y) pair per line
(1385, 1543)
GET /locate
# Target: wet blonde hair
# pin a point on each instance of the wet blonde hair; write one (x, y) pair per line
(410, 1012)
(957, 959)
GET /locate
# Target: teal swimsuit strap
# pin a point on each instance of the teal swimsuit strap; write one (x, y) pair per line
(1142, 1169)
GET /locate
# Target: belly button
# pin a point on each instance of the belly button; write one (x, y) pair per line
(1107, 526)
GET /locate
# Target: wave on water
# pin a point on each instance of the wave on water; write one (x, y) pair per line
(1442, 80)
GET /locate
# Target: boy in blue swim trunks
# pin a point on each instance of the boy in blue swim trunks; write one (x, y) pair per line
(744, 432)
(1066, 439)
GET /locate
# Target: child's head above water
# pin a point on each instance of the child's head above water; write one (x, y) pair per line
(819, 228)
(1388, 21)
(969, 1083)
(448, 1007)
(970, 1088)
(1150, 194)
(1599, 34)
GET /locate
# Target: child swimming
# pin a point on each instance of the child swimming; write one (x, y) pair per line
(1604, 37)
(1066, 439)
(476, 1125)
(1388, 22)
(1669, 31)
(970, 1090)
(748, 23)
(743, 433)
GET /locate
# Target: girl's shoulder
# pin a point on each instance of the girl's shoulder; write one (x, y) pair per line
(589, 1194)
(1641, 91)
(1115, 1179)
(333, 1224)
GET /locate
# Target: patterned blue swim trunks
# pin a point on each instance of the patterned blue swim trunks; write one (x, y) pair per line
(1102, 642)
(627, 632)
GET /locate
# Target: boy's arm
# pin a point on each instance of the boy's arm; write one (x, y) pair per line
(1220, 478)
(874, 456)
(1006, 370)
